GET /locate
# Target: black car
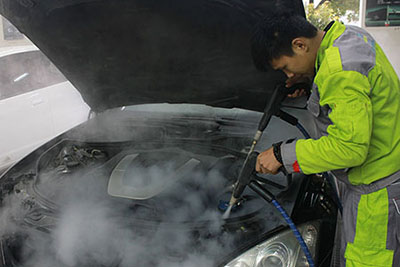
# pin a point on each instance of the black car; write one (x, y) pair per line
(175, 100)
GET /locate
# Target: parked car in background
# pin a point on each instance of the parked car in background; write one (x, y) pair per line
(37, 102)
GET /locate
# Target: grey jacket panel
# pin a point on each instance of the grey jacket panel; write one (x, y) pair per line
(393, 236)
(288, 153)
(321, 120)
(357, 50)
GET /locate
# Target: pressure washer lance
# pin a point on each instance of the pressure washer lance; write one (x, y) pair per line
(273, 108)
(247, 175)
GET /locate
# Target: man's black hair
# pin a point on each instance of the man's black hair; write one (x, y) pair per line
(273, 37)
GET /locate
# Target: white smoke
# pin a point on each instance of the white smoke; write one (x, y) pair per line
(89, 232)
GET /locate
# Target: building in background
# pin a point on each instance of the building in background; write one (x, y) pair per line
(381, 13)
(10, 36)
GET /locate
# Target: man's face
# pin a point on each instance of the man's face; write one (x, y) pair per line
(295, 65)
(301, 63)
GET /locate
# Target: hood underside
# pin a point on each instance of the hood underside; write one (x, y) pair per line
(125, 52)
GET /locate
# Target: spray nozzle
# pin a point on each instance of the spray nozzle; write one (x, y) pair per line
(224, 205)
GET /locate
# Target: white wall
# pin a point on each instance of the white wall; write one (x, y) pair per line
(389, 40)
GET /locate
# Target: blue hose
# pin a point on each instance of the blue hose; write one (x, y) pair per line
(295, 231)
(303, 131)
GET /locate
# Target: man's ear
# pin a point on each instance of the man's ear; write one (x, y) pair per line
(300, 44)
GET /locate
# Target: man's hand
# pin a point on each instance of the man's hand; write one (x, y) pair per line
(297, 93)
(267, 163)
(297, 78)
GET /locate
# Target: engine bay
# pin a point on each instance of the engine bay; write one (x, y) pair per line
(135, 191)
(163, 178)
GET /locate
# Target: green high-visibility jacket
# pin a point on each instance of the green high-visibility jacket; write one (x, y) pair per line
(356, 103)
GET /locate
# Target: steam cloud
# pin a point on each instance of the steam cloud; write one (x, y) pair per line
(93, 231)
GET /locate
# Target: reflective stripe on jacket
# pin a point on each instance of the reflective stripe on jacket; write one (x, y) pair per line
(356, 103)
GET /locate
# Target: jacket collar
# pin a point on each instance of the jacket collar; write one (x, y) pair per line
(332, 31)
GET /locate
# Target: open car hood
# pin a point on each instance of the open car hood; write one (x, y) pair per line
(125, 52)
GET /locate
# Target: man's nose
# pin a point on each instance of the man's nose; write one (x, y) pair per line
(289, 74)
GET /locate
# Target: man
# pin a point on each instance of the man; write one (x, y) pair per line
(355, 101)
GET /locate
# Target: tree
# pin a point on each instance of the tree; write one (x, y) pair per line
(332, 10)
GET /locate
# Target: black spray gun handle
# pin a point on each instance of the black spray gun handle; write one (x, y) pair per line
(275, 102)
(273, 108)
(248, 175)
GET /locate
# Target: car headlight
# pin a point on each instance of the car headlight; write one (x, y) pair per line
(281, 250)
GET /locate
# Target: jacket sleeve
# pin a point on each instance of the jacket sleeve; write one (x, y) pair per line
(347, 143)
